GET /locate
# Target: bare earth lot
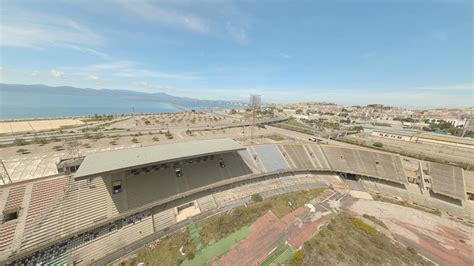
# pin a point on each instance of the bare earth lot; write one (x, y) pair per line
(437, 238)
(37, 125)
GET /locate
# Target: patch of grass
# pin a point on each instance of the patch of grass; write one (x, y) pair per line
(364, 227)
(166, 252)
(217, 249)
(256, 197)
(276, 137)
(219, 226)
(300, 129)
(407, 204)
(349, 241)
(375, 220)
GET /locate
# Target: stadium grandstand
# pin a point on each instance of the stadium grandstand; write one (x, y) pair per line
(122, 199)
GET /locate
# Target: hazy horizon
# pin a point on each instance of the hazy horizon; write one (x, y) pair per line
(411, 54)
(246, 100)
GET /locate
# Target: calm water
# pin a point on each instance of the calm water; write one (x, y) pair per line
(17, 105)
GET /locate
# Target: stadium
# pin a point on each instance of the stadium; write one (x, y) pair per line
(120, 200)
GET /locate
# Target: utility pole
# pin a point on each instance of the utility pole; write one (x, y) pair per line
(4, 174)
(255, 102)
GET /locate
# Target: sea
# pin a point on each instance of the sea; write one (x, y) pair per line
(26, 105)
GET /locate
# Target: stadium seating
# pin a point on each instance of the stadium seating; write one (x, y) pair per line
(163, 219)
(15, 198)
(155, 185)
(207, 203)
(298, 156)
(83, 204)
(270, 157)
(319, 158)
(82, 219)
(7, 232)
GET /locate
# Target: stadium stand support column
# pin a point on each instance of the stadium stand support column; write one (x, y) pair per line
(112, 208)
(422, 176)
(119, 200)
(20, 228)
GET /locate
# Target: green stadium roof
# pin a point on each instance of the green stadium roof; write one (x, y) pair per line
(125, 159)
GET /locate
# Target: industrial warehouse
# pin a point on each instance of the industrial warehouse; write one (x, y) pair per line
(118, 201)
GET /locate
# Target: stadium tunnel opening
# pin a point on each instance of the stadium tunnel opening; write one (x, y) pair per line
(445, 198)
(10, 215)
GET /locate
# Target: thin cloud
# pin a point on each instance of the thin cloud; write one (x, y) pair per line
(110, 66)
(286, 56)
(35, 73)
(56, 74)
(449, 87)
(25, 29)
(97, 80)
(236, 32)
(167, 16)
(143, 73)
(145, 86)
(129, 69)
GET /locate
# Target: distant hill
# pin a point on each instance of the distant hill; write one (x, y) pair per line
(143, 96)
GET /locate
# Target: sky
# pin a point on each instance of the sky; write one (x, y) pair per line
(407, 53)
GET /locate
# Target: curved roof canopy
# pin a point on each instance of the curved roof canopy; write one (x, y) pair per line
(125, 159)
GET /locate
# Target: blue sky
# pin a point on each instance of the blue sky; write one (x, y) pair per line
(407, 53)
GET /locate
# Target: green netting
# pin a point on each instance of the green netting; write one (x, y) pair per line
(195, 236)
(277, 252)
(284, 257)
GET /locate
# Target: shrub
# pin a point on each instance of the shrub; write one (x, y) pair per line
(378, 144)
(412, 250)
(190, 255)
(20, 142)
(22, 151)
(297, 256)
(256, 197)
(58, 148)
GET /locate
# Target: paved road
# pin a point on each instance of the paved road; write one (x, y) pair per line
(121, 132)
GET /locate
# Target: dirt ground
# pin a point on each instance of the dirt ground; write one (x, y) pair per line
(37, 125)
(439, 239)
